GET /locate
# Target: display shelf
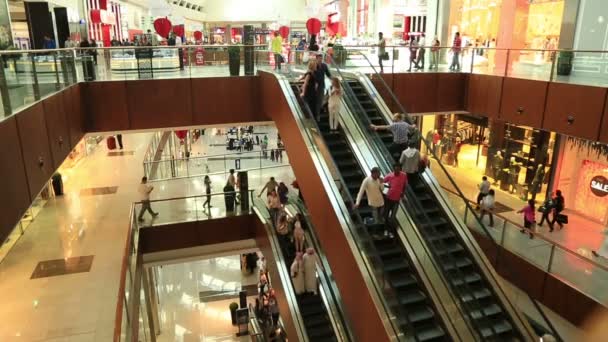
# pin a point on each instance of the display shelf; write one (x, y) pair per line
(523, 142)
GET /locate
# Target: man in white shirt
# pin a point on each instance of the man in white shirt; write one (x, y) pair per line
(372, 187)
(145, 190)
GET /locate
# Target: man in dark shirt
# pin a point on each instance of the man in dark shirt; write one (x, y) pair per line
(322, 71)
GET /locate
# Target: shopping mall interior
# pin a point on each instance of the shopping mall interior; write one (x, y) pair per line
(304, 170)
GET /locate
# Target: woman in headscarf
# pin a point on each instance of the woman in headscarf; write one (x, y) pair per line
(310, 274)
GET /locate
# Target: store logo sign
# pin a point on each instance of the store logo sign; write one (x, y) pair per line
(599, 186)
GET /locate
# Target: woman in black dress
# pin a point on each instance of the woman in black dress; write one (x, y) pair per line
(309, 89)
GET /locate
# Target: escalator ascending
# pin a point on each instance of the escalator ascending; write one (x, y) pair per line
(409, 300)
(464, 275)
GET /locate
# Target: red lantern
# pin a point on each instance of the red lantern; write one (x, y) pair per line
(162, 26)
(181, 134)
(313, 25)
(198, 35)
(284, 31)
(179, 30)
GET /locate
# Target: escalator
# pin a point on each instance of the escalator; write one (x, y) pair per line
(406, 295)
(314, 315)
(484, 308)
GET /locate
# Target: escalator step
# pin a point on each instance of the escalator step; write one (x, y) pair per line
(411, 297)
(314, 321)
(457, 263)
(432, 333)
(421, 314)
(499, 329)
(390, 252)
(394, 265)
(312, 310)
(445, 235)
(469, 279)
(451, 248)
(477, 295)
(488, 311)
(403, 280)
(321, 332)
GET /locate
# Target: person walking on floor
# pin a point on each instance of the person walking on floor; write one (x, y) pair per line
(558, 207)
(119, 140)
(372, 187)
(456, 49)
(145, 190)
(309, 88)
(310, 271)
(207, 182)
(334, 104)
(413, 53)
(435, 54)
(270, 186)
(320, 73)
(276, 46)
(603, 250)
(298, 233)
(421, 52)
(396, 181)
(381, 50)
(545, 209)
(297, 274)
(487, 207)
(400, 130)
(529, 219)
(484, 188)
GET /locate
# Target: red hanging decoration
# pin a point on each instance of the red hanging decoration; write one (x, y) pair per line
(181, 134)
(333, 23)
(313, 25)
(162, 26)
(179, 30)
(198, 35)
(284, 31)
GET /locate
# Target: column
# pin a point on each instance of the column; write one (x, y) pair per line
(567, 31)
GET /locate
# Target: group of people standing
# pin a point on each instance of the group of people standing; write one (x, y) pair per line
(313, 91)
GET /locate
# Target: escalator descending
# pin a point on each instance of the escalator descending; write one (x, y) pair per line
(406, 295)
(465, 277)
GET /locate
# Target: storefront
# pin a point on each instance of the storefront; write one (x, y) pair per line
(517, 24)
(517, 159)
(582, 176)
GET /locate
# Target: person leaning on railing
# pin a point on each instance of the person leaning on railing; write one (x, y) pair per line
(400, 130)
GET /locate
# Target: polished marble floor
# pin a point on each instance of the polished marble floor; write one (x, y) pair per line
(184, 316)
(81, 306)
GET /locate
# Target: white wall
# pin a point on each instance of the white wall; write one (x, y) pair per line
(591, 34)
(256, 10)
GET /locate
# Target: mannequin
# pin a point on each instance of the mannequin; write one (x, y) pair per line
(514, 169)
(497, 163)
(537, 182)
(429, 140)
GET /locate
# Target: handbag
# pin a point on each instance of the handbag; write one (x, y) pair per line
(561, 218)
(542, 209)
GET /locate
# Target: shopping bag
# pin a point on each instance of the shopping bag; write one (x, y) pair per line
(561, 218)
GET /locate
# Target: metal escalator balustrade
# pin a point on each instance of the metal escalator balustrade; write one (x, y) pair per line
(484, 306)
(409, 300)
(317, 319)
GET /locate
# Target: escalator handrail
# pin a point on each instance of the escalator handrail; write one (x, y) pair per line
(380, 149)
(453, 183)
(327, 280)
(380, 303)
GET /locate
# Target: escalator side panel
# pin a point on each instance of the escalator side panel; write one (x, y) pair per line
(358, 302)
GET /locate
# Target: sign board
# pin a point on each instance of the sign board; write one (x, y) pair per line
(242, 321)
(599, 186)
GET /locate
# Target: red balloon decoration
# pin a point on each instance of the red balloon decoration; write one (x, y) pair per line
(181, 134)
(179, 30)
(162, 26)
(333, 25)
(198, 35)
(284, 31)
(313, 25)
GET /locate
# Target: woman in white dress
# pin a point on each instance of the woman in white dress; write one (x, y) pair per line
(297, 274)
(310, 276)
(334, 104)
(603, 250)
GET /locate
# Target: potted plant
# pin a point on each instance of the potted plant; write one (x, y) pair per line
(564, 62)
(234, 60)
(233, 307)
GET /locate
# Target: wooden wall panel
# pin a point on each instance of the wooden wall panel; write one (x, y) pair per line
(417, 93)
(451, 91)
(525, 275)
(220, 100)
(197, 233)
(15, 197)
(569, 302)
(604, 126)
(57, 127)
(106, 106)
(37, 155)
(483, 95)
(527, 95)
(159, 103)
(584, 104)
(358, 302)
(74, 113)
